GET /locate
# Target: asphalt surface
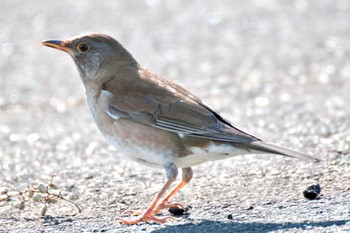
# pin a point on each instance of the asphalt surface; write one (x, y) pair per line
(277, 69)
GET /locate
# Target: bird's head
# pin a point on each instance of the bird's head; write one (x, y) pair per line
(95, 54)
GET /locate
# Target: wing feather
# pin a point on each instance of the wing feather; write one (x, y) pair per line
(188, 118)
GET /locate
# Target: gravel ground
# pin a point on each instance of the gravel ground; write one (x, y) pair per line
(277, 69)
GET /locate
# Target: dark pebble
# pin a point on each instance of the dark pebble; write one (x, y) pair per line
(312, 192)
(177, 211)
(230, 216)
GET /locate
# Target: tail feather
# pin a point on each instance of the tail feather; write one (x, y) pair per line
(266, 147)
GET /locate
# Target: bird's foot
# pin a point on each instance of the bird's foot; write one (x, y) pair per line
(145, 217)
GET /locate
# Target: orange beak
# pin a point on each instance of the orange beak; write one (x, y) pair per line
(57, 44)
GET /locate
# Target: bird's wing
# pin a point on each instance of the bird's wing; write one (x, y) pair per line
(172, 108)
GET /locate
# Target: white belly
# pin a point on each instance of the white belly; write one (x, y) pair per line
(210, 153)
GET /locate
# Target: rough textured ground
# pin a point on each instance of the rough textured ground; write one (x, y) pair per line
(277, 69)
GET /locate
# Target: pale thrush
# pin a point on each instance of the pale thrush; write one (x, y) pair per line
(152, 120)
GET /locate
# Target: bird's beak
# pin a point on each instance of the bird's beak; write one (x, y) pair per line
(57, 44)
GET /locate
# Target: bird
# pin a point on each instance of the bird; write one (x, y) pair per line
(154, 121)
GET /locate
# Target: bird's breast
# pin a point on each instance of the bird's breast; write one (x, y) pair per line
(142, 143)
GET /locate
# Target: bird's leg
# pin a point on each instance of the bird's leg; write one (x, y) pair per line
(163, 204)
(148, 215)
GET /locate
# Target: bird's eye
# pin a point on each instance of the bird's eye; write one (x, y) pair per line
(83, 47)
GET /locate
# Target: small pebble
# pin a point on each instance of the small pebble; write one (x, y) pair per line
(230, 216)
(312, 192)
(177, 211)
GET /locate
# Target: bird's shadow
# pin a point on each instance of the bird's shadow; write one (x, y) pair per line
(216, 226)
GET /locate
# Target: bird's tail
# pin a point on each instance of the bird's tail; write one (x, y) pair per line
(266, 147)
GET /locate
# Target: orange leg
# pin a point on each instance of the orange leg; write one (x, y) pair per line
(163, 204)
(148, 215)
